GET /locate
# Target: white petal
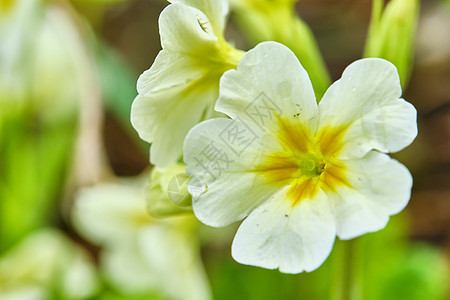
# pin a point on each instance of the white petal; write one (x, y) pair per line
(222, 161)
(216, 10)
(164, 118)
(380, 187)
(79, 281)
(168, 70)
(269, 80)
(126, 269)
(181, 30)
(231, 198)
(293, 239)
(110, 213)
(366, 99)
(172, 253)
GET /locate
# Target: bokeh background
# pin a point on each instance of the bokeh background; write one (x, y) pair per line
(71, 129)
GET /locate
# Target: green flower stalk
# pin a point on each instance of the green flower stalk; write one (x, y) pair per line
(263, 20)
(391, 34)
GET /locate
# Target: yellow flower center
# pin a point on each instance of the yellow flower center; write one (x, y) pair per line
(311, 166)
(309, 162)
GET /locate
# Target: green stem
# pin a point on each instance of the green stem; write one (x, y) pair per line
(347, 274)
(283, 25)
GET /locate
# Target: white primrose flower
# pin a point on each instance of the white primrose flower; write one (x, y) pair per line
(47, 265)
(140, 254)
(301, 173)
(181, 87)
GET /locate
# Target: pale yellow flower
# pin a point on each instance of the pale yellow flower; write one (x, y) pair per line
(140, 254)
(301, 172)
(181, 87)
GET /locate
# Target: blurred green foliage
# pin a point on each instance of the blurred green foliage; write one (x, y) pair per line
(36, 157)
(34, 161)
(40, 95)
(117, 81)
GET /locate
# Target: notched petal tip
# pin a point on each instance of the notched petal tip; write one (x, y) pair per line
(270, 73)
(366, 99)
(204, 23)
(184, 29)
(293, 240)
(216, 10)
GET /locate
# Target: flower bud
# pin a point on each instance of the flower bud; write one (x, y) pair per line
(167, 194)
(391, 34)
